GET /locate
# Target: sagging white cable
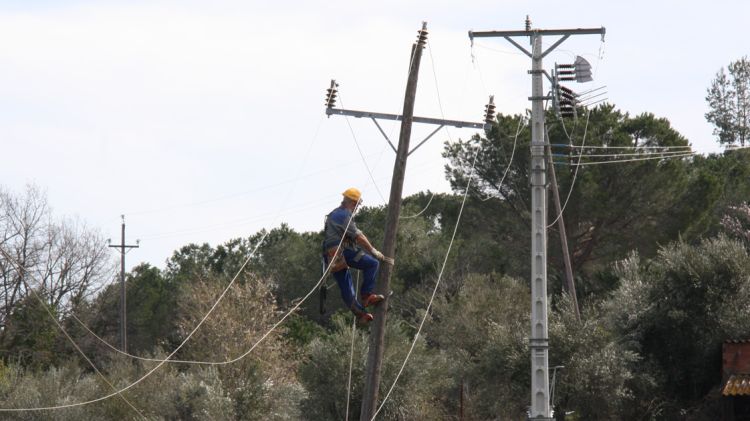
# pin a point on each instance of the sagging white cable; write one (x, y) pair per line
(351, 356)
(434, 291)
(62, 329)
(575, 173)
(200, 323)
(521, 126)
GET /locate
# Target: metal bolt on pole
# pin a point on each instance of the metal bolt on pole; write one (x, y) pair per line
(538, 341)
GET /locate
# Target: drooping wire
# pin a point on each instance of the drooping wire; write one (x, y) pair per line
(434, 291)
(422, 211)
(200, 323)
(575, 173)
(351, 355)
(521, 126)
(635, 147)
(447, 132)
(633, 154)
(252, 348)
(437, 88)
(190, 335)
(361, 154)
(21, 272)
(619, 161)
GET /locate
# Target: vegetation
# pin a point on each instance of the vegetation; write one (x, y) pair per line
(660, 254)
(729, 100)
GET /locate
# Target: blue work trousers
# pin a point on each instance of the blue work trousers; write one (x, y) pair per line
(369, 267)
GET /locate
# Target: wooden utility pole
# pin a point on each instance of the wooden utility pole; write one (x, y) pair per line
(407, 118)
(123, 310)
(377, 329)
(569, 285)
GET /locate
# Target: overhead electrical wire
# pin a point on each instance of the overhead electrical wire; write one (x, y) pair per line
(361, 154)
(200, 323)
(570, 141)
(630, 154)
(20, 271)
(434, 290)
(190, 335)
(619, 161)
(442, 114)
(575, 173)
(618, 147)
(351, 356)
(520, 128)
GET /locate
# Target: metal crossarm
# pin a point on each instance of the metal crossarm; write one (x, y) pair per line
(426, 120)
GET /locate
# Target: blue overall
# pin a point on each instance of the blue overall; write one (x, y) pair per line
(355, 257)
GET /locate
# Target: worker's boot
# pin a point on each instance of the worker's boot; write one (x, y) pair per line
(371, 299)
(363, 317)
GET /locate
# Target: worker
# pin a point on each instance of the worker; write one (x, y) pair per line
(354, 250)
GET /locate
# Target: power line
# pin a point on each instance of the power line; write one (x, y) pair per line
(575, 173)
(617, 147)
(235, 359)
(619, 161)
(434, 290)
(351, 355)
(520, 127)
(20, 270)
(361, 155)
(627, 154)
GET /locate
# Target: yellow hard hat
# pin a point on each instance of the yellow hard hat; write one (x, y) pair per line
(352, 194)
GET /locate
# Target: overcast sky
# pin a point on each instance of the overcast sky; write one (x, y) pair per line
(204, 121)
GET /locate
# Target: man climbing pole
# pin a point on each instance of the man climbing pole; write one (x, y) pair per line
(353, 252)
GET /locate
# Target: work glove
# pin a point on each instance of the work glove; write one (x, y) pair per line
(378, 255)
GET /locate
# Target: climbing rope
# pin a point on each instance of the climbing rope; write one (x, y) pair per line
(351, 355)
(434, 290)
(65, 332)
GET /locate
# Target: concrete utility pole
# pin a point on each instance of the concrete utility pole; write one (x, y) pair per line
(377, 329)
(123, 311)
(538, 341)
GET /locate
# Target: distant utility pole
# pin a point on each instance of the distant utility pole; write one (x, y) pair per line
(377, 329)
(538, 341)
(123, 312)
(569, 285)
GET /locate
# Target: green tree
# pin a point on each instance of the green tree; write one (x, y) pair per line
(613, 208)
(31, 336)
(676, 309)
(325, 374)
(729, 100)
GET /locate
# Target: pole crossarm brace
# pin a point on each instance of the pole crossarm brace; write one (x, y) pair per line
(564, 32)
(540, 408)
(426, 120)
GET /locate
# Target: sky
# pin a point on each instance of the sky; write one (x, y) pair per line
(205, 121)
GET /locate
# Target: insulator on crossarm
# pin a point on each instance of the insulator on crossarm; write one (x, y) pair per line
(422, 38)
(331, 94)
(489, 111)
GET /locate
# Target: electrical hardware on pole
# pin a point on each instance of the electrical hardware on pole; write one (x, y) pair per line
(377, 329)
(540, 408)
(123, 308)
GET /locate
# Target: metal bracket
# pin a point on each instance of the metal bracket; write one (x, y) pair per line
(384, 135)
(426, 120)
